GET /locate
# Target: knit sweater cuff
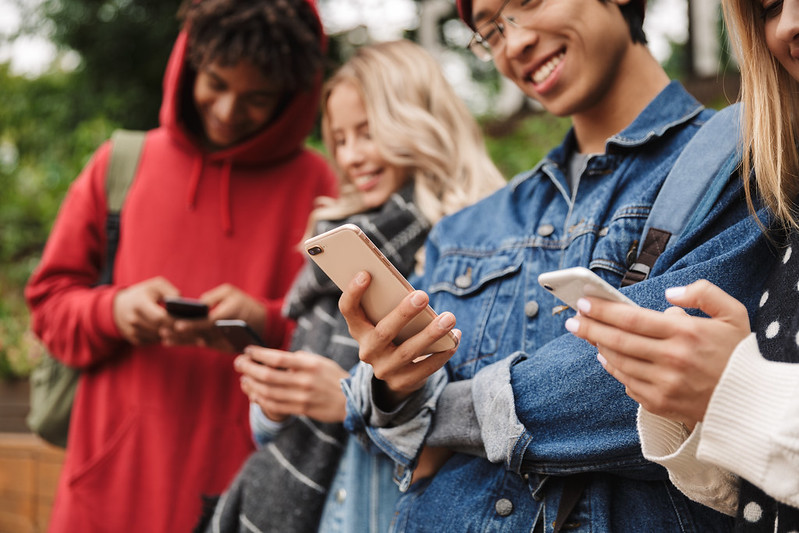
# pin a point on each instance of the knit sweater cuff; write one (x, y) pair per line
(750, 426)
(673, 446)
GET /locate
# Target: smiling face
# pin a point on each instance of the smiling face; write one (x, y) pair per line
(233, 102)
(567, 54)
(356, 152)
(781, 28)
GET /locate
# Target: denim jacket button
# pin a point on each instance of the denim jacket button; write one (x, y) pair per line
(545, 230)
(464, 280)
(531, 309)
(503, 507)
(341, 495)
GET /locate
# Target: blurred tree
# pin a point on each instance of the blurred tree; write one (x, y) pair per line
(123, 47)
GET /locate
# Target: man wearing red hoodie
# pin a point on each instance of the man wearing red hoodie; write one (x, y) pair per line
(216, 210)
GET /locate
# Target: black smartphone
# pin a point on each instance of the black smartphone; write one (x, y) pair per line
(238, 333)
(185, 307)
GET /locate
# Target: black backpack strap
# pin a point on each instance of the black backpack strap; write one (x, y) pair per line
(126, 148)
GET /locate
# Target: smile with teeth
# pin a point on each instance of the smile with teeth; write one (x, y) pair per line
(366, 179)
(544, 71)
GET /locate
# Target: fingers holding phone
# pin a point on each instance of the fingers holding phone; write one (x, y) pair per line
(404, 367)
(138, 313)
(293, 383)
(190, 323)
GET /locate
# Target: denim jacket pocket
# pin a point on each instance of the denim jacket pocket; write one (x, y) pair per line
(617, 246)
(485, 280)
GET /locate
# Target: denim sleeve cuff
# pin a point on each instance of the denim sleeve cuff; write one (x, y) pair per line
(401, 433)
(495, 407)
(455, 421)
(673, 446)
(263, 429)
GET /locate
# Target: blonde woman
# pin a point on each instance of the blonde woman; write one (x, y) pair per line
(407, 153)
(720, 404)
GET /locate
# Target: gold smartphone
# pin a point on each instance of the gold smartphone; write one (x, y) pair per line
(346, 250)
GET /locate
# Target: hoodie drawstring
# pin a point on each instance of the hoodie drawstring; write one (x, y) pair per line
(194, 182)
(224, 191)
(224, 198)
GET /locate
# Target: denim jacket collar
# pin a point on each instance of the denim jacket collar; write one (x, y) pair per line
(672, 107)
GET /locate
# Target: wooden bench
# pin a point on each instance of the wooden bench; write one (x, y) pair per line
(29, 469)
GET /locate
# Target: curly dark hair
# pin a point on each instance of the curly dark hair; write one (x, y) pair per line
(281, 37)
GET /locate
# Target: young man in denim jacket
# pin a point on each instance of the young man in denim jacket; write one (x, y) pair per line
(550, 438)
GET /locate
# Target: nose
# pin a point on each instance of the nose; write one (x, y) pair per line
(349, 155)
(518, 40)
(788, 25)
(225, 108)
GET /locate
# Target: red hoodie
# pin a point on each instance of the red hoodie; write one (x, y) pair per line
(154, 428)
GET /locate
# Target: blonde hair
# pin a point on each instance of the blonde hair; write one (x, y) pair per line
(418, 124)
(769, 96)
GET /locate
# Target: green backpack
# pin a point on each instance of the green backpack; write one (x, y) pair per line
(53, 384)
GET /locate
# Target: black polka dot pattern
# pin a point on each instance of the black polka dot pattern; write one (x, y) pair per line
(777, 330)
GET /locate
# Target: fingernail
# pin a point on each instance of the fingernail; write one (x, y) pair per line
(417, 299)
(583, 305)
(446, 321)
(572, 325)
(360, 279)
(601, 359)
(675, 292)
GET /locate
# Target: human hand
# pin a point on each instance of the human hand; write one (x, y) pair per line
(293, 383)
(394, 364)
(138, 313)
(224, 301)
(669, 362)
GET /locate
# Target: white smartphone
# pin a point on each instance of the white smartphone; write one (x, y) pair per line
(571, 284)
(346, 250)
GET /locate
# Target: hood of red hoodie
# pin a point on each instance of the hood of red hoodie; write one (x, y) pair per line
(282, 138)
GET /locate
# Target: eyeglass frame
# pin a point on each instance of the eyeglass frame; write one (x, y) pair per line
(478, 44)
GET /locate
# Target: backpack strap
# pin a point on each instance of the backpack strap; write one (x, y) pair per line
(690, 189)
(126, 148)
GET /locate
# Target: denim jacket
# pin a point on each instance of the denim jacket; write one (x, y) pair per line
(529, 399)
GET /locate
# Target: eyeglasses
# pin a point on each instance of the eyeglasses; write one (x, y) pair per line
(490, 36)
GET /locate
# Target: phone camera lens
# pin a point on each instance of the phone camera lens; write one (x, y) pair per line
(548, 287)
(315, 250)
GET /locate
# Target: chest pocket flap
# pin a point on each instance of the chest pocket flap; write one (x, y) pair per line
(479, 289)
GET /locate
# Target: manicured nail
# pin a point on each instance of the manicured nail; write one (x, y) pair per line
(601, 359)
(360, 278)
(583, 305)
(418, 299)
(572, 325)
(446, 321)
(675, 292)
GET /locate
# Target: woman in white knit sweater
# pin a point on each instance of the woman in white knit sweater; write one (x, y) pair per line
(720, 404)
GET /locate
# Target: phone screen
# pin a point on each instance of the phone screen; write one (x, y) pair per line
(239, 334)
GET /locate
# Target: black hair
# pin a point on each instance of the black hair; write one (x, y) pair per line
(280, 37)
(633, 14)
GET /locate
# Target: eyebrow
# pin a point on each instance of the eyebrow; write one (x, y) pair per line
(359, 126)
(480, 16)
(219, 79)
